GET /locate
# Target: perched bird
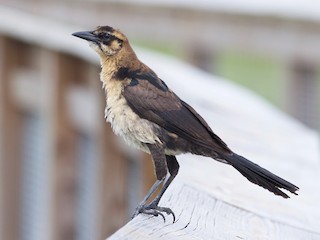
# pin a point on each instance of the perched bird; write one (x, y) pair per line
(151, 117)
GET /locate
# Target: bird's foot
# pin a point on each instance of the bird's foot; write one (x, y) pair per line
(154, 210)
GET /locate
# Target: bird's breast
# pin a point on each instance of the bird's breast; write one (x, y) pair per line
(124, 121)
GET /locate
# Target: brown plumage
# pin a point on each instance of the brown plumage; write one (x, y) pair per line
(149, 116)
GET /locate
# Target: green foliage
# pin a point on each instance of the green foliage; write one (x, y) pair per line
(263, 75)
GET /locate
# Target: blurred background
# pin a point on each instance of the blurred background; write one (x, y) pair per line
(63, 175)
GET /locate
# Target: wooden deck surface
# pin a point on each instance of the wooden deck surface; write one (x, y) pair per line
(202, 216)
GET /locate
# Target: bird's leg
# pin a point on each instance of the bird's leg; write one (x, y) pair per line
(152, 190)
(161, 170)
(147, 197)
(153, 208)
(173, 167)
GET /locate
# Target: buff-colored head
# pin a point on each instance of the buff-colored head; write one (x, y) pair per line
(105, 40)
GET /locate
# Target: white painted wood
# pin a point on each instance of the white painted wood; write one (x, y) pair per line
(202, 216)
(295, 9)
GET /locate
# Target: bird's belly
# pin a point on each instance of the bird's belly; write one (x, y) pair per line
(135, 131)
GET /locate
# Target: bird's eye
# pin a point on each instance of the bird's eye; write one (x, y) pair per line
(104, 36)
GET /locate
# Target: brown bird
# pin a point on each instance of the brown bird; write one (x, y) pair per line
(149, 116)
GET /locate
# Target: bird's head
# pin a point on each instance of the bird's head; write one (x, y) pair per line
(105, 40)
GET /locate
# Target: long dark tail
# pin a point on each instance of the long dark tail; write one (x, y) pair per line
(260, 176)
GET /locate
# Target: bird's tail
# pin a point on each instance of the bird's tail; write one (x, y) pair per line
(260, 176)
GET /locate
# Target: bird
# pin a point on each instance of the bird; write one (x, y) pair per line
(149, 116)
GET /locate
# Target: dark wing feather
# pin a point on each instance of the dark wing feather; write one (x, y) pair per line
(151, 99)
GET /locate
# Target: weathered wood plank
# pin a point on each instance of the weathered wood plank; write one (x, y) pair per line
(202, 216)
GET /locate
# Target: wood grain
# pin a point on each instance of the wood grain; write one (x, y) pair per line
(201, 216)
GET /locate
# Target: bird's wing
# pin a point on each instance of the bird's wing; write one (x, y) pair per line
(151, 99)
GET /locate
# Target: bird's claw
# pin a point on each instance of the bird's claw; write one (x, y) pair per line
(154, 211)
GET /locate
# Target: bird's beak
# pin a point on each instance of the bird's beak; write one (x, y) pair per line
(86, 35)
